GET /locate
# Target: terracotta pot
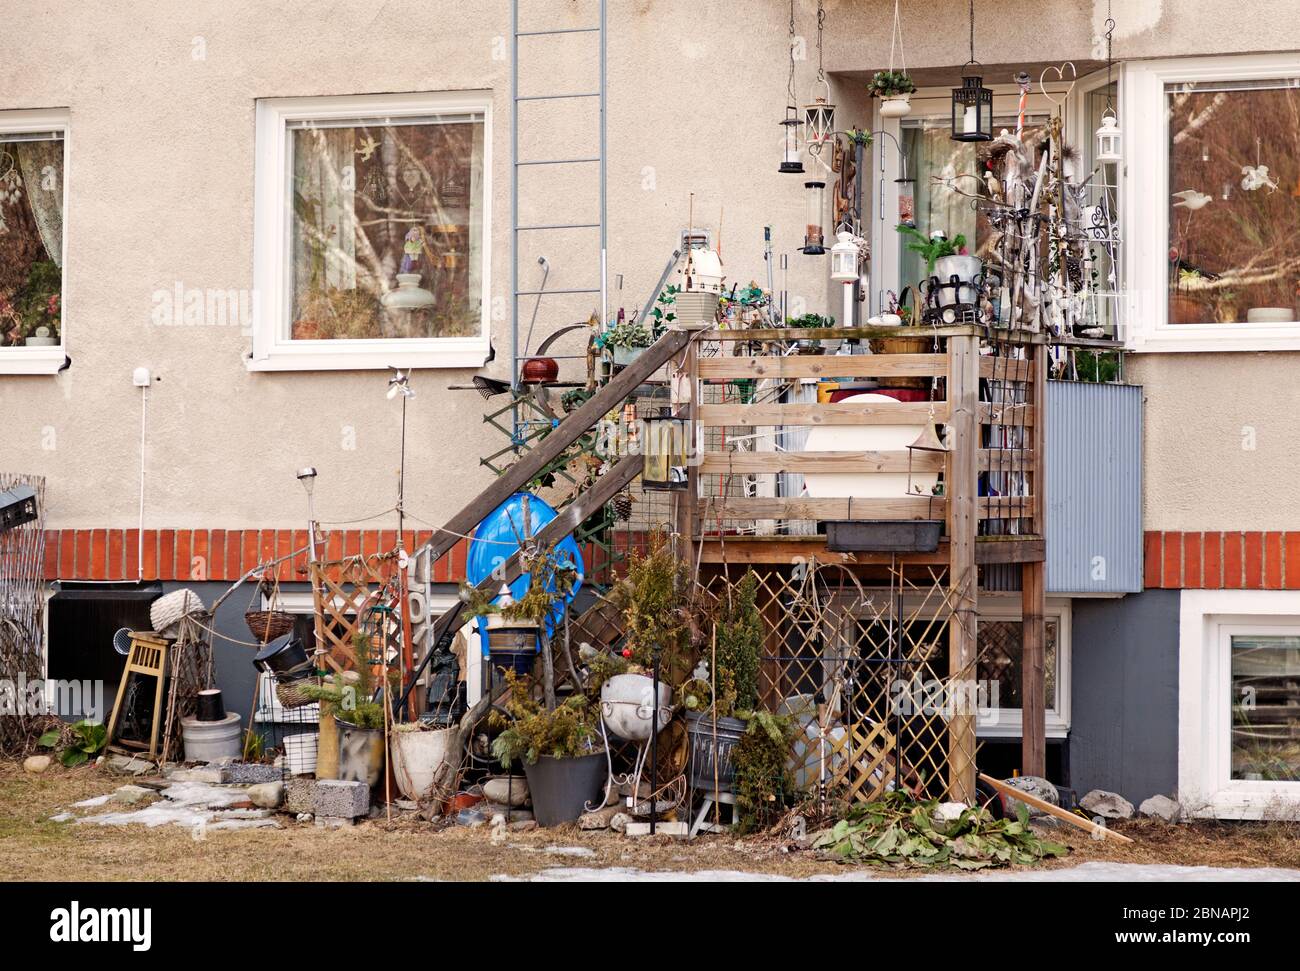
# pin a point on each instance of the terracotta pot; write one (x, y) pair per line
(1188, 310)
(540, 370)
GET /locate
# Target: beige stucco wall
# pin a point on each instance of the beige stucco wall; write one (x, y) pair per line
(161, 191)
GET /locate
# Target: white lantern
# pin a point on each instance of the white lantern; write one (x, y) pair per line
(819, 121)
(844, 259)
(1109, 140)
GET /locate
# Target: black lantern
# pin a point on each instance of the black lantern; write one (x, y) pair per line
(972, 110)
(972, 103)
(791, 163)
(665, 452)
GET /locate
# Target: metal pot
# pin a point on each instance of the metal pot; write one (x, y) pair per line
(626, 705)
(967, 270)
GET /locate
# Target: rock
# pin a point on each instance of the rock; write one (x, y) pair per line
(130, 764)
(300, 796)
(211, 776)
(1107, 805)
(266, 795)
(305, 817)
(249, 773)
(1161, 807)
(131, 795)
(598, 819)
(37, 763)
(339, 799)
(523, 825)
(948, 812)
(512, 791)
(618, 822)
(334, 822)
(1035, 785)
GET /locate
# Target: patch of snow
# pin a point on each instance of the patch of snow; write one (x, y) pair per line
(94, 801)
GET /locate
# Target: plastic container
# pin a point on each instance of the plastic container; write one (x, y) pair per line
(704, 754)
(300, 753)
(562, 789)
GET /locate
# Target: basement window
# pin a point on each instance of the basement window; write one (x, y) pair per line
(370, 245)
(33, 148)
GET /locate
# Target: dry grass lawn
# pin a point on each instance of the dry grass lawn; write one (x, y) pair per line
(34, 848)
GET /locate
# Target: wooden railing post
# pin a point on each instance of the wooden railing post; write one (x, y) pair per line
(961, 489)
(1033, 592)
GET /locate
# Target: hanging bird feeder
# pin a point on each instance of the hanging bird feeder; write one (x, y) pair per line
(813, 239)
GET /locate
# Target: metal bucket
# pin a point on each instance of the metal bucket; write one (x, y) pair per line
(704, 753)
(625, 705)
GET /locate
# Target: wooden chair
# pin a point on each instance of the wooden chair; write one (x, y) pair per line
(148, 656)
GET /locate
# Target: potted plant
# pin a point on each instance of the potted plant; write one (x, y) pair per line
(719, 704)
(894, 89)
(946, 259)
(696, 303)
(560, 749)
(418, 750)
(358, 719)
(626, 341)
(810, 322)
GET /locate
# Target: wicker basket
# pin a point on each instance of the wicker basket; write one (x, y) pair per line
(291, 694)
(904, 345)
(267, 625)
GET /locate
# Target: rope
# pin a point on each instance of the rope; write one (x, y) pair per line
(897, 38)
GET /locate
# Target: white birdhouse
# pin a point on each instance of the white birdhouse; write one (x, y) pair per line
(844, 259)
(1109, 140)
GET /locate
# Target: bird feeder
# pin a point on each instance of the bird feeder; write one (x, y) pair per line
(972, 110)
(1109, 141)
(791, 163)
(813, 240)
(665, 452)
(844, 259)
(511, 642)
(928, 441)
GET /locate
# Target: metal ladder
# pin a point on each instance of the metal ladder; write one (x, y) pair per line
(518, 163)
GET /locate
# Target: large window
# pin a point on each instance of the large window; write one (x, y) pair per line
(372, 215)
(32, 199)
(1213, 192)
(1265, 699)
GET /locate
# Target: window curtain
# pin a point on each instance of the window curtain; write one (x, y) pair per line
(41, 166)
(476, 222)
(324, 179)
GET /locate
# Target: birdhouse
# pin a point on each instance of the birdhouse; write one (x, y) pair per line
(1109, 141)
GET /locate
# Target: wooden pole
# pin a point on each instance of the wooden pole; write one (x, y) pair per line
(961, 488)
(1033, 595)
(687, 501)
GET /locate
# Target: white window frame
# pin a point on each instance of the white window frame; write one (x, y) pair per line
(42, 360)
(273, 350)
(1011, 721)
(1207, 621)
(1144, 205)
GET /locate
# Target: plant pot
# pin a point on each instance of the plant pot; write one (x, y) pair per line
(898, 106)
(623, 356)
(695, 310)
(416, 757)
(210, 741)
(282, 656)
(300, 753)
(210, 706)
(562, 789)
(361, 753)
(626, 706)
(967, 270)
(704, 754)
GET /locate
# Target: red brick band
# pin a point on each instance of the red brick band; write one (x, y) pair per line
(1222, 561)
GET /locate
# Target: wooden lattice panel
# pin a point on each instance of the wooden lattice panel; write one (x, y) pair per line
(343, 592)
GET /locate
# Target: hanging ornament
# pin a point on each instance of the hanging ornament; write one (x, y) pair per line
(1109, 137)
(791, 163)
(819, 116)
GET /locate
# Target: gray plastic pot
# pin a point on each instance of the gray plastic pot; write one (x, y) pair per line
(563, 788)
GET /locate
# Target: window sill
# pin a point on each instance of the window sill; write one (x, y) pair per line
(1202, 338)
(373, 355)
(32, 360)
(1010, 726)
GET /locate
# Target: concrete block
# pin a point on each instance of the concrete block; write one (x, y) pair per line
(300, 796)
(346, 800)
(250, 773)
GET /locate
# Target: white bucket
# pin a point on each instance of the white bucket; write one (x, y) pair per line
(416, 757)
(210, 741)
(300, 753)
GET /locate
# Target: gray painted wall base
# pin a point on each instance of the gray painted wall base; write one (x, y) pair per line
(1124, 695)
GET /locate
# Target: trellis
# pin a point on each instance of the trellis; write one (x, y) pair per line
(22, 607)
(344, 593)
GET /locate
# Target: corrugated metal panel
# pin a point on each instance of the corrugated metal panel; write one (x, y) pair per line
(1094, 488)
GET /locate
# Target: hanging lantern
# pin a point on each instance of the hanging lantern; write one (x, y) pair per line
(928, 441)
(813, 240)
(819, 119)
(972, 110)
(1109, 141)
(791, 163)
(665, 453)
(844, 259)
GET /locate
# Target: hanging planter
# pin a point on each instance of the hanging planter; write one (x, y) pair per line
(894, 88)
